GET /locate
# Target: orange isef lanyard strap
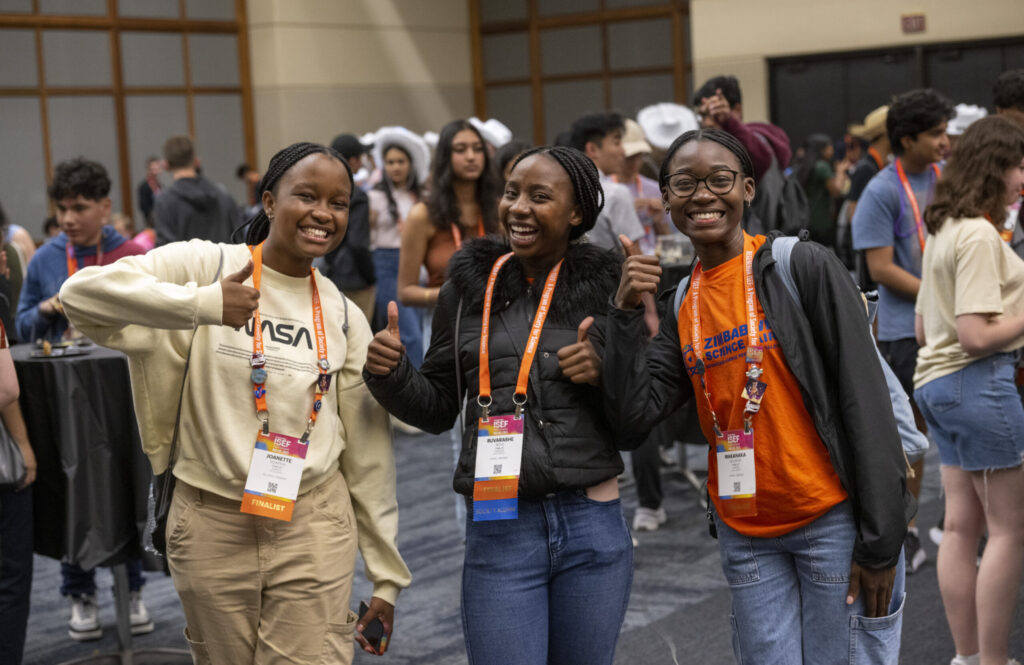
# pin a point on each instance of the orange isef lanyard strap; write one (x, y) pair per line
(457, 231)
(913, 199)
(258, 361)
(755, 353)
(519, 398)
(875, 155)
(73, 262)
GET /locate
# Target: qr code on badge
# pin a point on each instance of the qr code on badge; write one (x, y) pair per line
(497, 470)
(271, 487)
(735, 487)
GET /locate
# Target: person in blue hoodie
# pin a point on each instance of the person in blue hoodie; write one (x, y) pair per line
(81, 194)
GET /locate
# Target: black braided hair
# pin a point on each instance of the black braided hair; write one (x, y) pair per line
(725, 139)
(586, 182)
(257, 228)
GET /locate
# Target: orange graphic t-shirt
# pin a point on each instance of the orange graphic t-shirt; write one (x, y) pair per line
(796, 482)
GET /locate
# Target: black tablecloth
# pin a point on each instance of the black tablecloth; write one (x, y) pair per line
(93, 480)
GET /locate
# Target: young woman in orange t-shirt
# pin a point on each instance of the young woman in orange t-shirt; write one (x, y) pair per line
(806, 472)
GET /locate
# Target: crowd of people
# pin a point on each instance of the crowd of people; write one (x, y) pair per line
(516, 297)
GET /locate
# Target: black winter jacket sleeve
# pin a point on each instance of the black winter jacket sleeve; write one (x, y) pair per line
(427, 398)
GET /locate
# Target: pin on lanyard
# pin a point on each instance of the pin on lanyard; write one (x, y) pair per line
(519, 397)
(73, 262)
(755, 353)
(457, 232)
(913, 199)
(259, 360)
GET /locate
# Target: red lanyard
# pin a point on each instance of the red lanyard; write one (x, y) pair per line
(457, 231)
(519, 397)
(259, 374)
(875, 155)
(73, 262)
(913, 199)
(755, 353)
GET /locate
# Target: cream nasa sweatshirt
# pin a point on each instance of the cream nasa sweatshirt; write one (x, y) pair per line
(148, 306)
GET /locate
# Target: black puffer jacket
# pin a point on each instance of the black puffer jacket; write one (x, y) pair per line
(568, 444)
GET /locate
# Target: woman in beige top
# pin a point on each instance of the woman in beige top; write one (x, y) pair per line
(970, 325)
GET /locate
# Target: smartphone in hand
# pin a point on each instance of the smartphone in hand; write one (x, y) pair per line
(374, 630)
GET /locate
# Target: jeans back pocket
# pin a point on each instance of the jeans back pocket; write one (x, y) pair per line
(876, 640)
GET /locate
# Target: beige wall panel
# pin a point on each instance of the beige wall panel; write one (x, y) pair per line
(736, 36)
(320, 56)
(406, 14)
(284, 116)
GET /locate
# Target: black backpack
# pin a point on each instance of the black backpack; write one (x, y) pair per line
(780, 203)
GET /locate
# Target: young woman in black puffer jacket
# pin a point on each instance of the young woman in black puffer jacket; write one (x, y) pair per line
(549, 559)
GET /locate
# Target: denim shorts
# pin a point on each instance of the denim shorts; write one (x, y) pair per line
(975, 415)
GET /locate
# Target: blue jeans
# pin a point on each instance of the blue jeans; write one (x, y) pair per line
(550, 587)
(385, 264)
(975, 416)
(76, 581)
(15, 571)
(789, 597)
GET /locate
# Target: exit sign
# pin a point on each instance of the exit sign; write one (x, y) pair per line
(912, 23)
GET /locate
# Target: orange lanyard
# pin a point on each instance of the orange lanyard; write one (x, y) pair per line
(1005, 233)
(519, 397)
(73, 262)
(913, 199)
(755, 353)
(259, 360)
(875, 155)
(457, 231)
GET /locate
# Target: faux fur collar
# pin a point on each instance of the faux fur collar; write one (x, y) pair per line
(589, 276)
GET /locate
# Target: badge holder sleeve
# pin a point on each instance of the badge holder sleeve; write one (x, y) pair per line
(162, 490)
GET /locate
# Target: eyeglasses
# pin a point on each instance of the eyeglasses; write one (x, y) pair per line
(685, 185)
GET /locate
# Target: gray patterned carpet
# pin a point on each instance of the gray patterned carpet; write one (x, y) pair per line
(678, 612)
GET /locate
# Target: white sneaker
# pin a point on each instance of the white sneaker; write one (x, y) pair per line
(141, 623)
(966, 660)
(84, 624)
(648, 519)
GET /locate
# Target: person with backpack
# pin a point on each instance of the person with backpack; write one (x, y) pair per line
(888, 228)
(806, 474)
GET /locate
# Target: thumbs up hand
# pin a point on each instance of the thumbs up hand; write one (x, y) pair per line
(240, 301)
(579, 362)
(640, 274)
(386, 348)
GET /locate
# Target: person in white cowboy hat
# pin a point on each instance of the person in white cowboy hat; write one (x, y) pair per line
(494, 132)
(662, 123)
(404, 159)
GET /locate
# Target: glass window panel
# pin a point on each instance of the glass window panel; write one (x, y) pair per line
(18, 59)
(220, 140)
(566, 101)
(151, 120)
(22, 180)
(502, 10)
(506, 56)
(513, 106)
(85, 126)
(632, 93)
(74, 7)
(640, 43)
(16, 6)
(76, 58)
(152, 59)
(216, 10)
(213, 59)
(571, 50)
(553, 7)
(149, 8)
